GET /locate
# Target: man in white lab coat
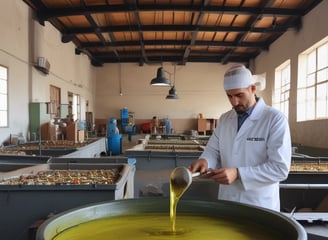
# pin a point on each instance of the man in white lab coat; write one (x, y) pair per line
(250, 150)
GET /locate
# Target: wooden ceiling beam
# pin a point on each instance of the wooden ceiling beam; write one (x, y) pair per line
(49, 13)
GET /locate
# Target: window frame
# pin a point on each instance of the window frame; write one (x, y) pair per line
(6, 108)
(308, 85)
(279, 101)
(76, 106)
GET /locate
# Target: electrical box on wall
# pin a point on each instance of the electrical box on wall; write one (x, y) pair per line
(42, 65)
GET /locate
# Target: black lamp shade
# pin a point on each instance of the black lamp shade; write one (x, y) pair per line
(172, 94)
(160, 79)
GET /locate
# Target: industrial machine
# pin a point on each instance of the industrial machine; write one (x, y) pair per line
(114, 138)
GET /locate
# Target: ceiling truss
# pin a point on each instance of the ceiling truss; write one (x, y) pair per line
(147, 32)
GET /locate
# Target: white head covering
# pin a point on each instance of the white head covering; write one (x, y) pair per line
(238, 77)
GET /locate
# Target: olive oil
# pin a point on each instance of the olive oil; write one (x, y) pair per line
(155, 226)
(150, 226)
(177, 187)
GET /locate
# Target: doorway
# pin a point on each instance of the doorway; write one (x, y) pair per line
(54, 102)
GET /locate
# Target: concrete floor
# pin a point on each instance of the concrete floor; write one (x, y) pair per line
(126, 144)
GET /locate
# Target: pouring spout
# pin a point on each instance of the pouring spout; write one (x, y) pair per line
(180, 180)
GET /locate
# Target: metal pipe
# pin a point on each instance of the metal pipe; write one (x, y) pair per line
(303, 186)
(40, 153)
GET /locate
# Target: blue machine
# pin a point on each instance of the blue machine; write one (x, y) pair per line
(124, 118)
(168, 126)
(114, 138)
(112, 127)
(127, 122)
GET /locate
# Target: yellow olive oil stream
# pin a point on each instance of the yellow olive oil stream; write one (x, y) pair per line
(176, 191)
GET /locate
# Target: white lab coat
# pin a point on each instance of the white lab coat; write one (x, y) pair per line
(261, 150)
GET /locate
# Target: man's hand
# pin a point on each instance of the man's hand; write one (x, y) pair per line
(224, 175)
(199, 165)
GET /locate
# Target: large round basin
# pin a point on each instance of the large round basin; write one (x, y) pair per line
(246, 216)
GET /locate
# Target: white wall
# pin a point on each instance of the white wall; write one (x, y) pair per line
(199, 87)
(68, 71)
(22, 41)
(14, 55)
(289, 46)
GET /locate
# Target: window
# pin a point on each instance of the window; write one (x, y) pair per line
(280, 97)
(312, 89)
(3, 96)
(76, 107)
(55, 101)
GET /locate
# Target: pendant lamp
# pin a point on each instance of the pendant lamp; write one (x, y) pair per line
(172, 94)
(160, 79)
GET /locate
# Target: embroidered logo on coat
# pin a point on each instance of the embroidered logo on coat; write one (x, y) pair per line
(255, 139)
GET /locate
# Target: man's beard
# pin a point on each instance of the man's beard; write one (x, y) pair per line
(240, 109)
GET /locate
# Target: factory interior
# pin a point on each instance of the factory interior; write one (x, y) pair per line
(100, 101)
